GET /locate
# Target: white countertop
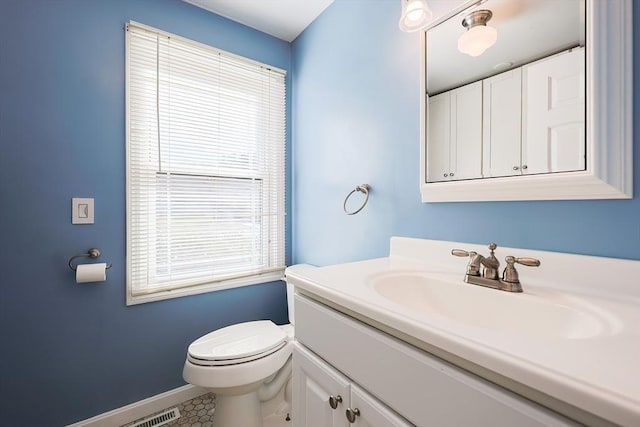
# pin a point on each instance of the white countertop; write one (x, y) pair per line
(598, 373)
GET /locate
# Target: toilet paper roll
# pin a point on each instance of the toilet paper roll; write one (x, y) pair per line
(91, 272)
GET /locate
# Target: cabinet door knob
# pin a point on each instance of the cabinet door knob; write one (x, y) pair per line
(334, 401)
(446, 175)
(451, 174)
(524, 166)
(352, 414)
(515, 168)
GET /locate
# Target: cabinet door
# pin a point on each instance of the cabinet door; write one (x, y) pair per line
(502, 128)
(554, 126)
(466, 132)
(372, 413)
(438, 136)
(314, 382)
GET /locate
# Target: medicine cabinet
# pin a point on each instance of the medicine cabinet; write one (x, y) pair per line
(494, 134)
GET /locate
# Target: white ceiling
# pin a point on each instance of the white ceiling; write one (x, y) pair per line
(284, 19)
(527, 30)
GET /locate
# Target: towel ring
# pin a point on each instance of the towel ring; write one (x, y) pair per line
(92, 253)
(364, 188)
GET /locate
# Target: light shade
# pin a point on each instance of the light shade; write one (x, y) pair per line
(415, 15)
(479, 36)
(477, 39)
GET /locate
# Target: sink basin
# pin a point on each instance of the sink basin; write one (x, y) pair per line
(531, 313)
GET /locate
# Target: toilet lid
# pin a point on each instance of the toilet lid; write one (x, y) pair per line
(238, 343)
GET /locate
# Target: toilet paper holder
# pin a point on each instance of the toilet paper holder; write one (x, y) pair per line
(91, 253)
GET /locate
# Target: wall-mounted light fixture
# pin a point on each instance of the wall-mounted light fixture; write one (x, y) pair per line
(479, 36)
(415, 15)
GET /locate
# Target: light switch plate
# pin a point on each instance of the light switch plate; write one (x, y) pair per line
(81, 211)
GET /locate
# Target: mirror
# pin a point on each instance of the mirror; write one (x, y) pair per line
(540, 114)
(515, 108)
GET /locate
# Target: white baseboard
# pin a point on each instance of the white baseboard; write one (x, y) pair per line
(142, 408)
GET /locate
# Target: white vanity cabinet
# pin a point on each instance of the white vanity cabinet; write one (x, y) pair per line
(320, 393)
(322, 396)
(455, 134)
(386, 376)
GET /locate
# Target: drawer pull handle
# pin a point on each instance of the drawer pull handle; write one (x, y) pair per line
(352, 414)
(334, 401)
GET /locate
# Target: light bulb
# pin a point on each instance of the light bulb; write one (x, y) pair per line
(415, 15)
(414, 11)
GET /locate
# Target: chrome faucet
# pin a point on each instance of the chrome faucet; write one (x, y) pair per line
(483, 271)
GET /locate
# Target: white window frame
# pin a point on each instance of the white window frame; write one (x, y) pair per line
(270, 270)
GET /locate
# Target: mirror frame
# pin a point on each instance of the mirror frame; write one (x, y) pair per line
(609, 123)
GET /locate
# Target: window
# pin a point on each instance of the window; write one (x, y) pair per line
(205, 168)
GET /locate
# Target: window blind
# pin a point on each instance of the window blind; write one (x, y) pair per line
(205, 166)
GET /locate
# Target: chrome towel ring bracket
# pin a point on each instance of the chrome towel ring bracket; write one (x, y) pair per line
(91, 253)
(363, 188)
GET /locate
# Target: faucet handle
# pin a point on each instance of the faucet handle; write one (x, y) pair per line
(459, 252)
(510, 274)
(473, 268)
(531, 262)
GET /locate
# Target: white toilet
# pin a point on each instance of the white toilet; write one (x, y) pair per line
(244, 364)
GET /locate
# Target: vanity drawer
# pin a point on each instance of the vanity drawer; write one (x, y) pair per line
(422, 388)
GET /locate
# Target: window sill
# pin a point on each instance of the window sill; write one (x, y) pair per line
(210, 287)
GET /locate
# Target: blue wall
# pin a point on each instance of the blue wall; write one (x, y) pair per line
(69, 351)
(356, 115)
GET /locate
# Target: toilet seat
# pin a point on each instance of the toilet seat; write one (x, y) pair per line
(235, 344)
